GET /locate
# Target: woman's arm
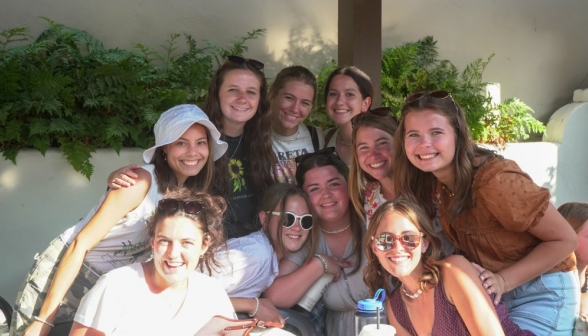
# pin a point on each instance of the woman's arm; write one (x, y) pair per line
(115, 206)
(558, 241)
(465, 291)
(81, 330)
(294, 281)
(266, 311)
(400, 331)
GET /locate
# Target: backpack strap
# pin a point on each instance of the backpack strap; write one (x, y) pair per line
(329, 136)
(314, 137)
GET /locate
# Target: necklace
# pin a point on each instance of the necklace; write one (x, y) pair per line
(283, 139)
(449, 193)
(336, 231)
(348, 144)
(236, 148)
(412, 296)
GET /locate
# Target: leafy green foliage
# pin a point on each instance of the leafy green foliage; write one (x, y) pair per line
(414, 67)
(67, 90)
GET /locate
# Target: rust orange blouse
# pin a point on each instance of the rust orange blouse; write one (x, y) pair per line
(506, 203)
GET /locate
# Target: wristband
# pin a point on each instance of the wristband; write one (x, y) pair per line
(37, 318)
(322, 260)
(256, 308)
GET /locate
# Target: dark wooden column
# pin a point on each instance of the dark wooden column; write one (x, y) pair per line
(360, 39)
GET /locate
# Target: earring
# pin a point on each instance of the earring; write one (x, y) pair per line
(201, 256)
(164, 156)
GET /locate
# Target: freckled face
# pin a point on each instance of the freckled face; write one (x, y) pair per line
(177, 246)
(344, 100)
(430, 143)
(239, 97)
(374, 151)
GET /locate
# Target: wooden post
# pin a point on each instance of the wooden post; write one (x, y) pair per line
(360, 39)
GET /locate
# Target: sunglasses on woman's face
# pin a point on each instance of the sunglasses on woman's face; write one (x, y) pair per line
(324, 151)
(408, 240)
(172, 205)
(380, 111)
(240, 60)
(305, 220)
(434, 94)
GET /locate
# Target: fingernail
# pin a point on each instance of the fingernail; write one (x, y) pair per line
(482, 277)
(485, 286)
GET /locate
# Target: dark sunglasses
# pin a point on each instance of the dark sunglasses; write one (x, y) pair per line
(324, 151)
(434, 94)
(409, 241)
(380, 112)
(240, 60)
(305, 220)
(172, 205)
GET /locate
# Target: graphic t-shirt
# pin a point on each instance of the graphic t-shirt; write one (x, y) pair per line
(242, 201)
(288, 148)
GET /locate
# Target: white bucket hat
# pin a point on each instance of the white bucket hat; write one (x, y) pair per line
(175, 121)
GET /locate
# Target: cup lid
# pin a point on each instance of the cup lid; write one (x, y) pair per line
(372, 304)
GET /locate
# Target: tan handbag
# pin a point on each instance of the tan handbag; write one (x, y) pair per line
(220, 325)
(581, 326)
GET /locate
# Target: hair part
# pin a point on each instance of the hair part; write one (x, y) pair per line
(278, 196)
(356, 222)
(576, 213)
(292, 73)
(257, 132)
(363, 81)
(375, 275)
(358, 179)
(209, 220)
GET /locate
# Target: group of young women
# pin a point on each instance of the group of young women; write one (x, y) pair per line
(383, 205)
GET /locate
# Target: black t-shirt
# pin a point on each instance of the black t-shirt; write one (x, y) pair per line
(242, 201)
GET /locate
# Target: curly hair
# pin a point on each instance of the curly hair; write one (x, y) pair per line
(277, 196)
(417, 185)
(358, 179)
(209, 220)
(356, 222)
(257, 132)
(374, 274)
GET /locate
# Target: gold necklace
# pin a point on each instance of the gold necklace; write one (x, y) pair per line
(336, 231)
(449, 193)
(348, 144)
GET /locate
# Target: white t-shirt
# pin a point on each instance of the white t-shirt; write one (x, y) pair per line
(127, 242)
(121, 303)
(287, 148)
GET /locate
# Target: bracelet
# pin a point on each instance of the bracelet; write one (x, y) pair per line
(256, 308)
(322, 260)
(37, 318)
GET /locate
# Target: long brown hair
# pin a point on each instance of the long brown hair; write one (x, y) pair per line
(360, 78)
(358, 179)
(576, 213)
(257, 132)
(356, 222)
(166, 179)
(419, 186)
(374, 275)
(293, 73)
(277, 196)
(209, 220)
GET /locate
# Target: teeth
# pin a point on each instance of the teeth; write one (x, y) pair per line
(290, 116)
(174, 264)
(398, 259)
(241, 108)
(340, 111)
(377, 165)
(293, 236)
(328, 204)
(190, 163)
(426, 157)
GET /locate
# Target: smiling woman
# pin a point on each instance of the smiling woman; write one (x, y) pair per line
(163, 296)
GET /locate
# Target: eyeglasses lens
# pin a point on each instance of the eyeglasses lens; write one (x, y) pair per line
(305, 221)
(324, 151)
(172, 205)
(240, 60)
(385, 241)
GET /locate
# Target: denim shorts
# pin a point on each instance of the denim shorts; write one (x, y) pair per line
(546, 305)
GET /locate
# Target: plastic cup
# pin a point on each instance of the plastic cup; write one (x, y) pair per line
(372, 330)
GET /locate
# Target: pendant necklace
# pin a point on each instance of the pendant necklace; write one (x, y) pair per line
(283, 139)
(236, 148)
(449, 193)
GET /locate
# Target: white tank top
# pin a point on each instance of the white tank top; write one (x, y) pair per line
(128, 240)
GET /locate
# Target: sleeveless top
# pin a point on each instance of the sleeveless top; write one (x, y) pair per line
(127, 241)
(447, 318)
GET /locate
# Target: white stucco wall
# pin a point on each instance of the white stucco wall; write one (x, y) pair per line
(541, 45)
